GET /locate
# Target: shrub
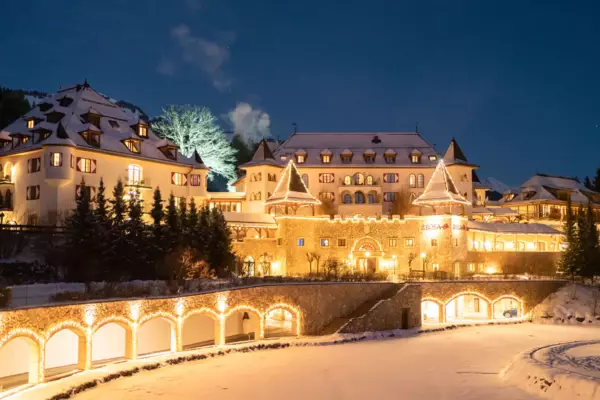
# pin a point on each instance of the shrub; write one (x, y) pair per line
(5, 297)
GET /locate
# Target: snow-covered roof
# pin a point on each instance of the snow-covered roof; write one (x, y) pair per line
(227, 195)
(553, 188)
(250, 220)
(116, 124)
(504, 212)
(514, 228)
(455, 155)
(291, 189)
(441, 189)
(262, 156)
(315, 143)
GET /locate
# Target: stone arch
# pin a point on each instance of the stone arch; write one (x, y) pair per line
(453, 309)
(432, 314)
(498, 302)
(347, 197)
(243, 326)
(152, 338)
(296, 322)
(35, 344)
(200, 334)
(367, 241)
(83, 356)
(98, 333)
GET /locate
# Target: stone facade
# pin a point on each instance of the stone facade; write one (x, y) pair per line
(402, 311)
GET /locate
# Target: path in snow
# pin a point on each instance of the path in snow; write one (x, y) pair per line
(461, 364)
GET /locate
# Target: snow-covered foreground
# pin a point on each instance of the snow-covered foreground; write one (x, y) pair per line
(457, 364)
(562, 308)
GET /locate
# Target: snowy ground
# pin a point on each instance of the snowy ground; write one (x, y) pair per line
(457, 364)
(562, 308)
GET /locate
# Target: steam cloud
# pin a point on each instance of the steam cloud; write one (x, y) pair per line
(252, 124)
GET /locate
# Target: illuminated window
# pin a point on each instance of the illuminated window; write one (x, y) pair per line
(341, 242)
(178, 179)
(300, 242)
(499, 246)
(249, 266)
(30, 123)
(393, 242)
(326, 158)
(324, 242)
(327, 196)
(409, 242)
(412, 180)
(359, 179)
(142, 131)
(434, 242)
(420, 181)
(300, 158)
(283, 158)
(195, 180)
(471, 267)
(415, 158)
(133, 145)
(435, 266)
(326, 178)
(475, 244)
(91, 138)
(370, 180)
(134, 174)
(541, 246)
(56, 159)
(521, 246)
(432, 158)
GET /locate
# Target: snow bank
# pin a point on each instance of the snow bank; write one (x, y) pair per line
(551, 373)
(562, 308)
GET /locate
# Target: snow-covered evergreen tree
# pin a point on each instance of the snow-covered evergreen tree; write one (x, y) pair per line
(570, 260)
(195, 128)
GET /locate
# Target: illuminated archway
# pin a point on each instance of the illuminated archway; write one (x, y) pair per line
(112, 340)
(200, 327)
(282, 320)
(65, 349)
(468, 306)
(432, 310)
(13, 348)
(243, 323)
(507, 306)
(157, 333)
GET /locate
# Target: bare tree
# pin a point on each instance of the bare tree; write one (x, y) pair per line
(310, 257)
(328, 207)
(401, 204)
(317, 258)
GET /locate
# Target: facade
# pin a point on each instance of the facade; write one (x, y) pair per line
(78, 134)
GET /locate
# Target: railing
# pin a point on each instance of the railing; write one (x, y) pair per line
(376, 182)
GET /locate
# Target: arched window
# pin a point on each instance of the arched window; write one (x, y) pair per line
(134, 174)
(265, 264)
(420, 181)
(359, 198)
(359, 179)
(347, 180)
(347, 198)
(372, 198)
(305, 180)
(249, 265)
(412, 180)
(369, 179)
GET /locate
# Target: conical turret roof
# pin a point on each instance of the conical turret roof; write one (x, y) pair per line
(262, 156)
(291, 189)
(454, 153)
(441, 189)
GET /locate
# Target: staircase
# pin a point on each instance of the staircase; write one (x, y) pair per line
(337, 323)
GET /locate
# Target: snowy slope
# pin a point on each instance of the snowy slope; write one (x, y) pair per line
(562, 308)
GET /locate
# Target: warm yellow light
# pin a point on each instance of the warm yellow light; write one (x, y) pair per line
(222, 304)
(530, 245)
(422, 255)
(488, 245)
(394, 256)
(276, 267)
(180, 307)
(367, 254)
(350, 256)
(509, 245)
(134, 311)
(90, 315)
(490, 270)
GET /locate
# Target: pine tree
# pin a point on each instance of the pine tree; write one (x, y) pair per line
(569, 263)
(172, 227)
(117, 240)
(587, 183)
(203, 234)
(220, 256)
(591, 247)
(193, 214)
(183, 216)
(118, 205)
(135, 237)
(157, 211)
(81, 263)
(157, 245)
(596, 183)
(102, 248)
(192, 220)
(101, 210)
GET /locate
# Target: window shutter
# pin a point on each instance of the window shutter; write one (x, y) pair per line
(172, 178)
(72, 161)
(332, 196)
(185, 179)
(27, 193)
(60, 158)
(37, 192)
(28, 168)
(93, 163)
(396, 178)
(78, 164)
(385, 178)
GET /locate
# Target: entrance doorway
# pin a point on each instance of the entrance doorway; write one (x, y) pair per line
(367, 264)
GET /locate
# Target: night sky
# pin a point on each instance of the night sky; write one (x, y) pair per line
(515, 82)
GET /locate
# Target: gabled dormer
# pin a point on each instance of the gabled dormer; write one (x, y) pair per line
(32, 122)
(300, 156)
(369, 156)
(415, 156)
(390, 156)
(19, 138)
(91, 117)
(91, 134)
(346, 156)
(65, 101)
(141, 129)
(45, 106)
(168, 149)
(326, 156)
(54, 117)
(40, 134)
(133, 144)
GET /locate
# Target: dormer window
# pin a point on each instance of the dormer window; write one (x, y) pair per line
(91, 137)
(113, 123)
(283, 158)
(45, 106)
(415, 157)
(134, 145)
(30, 123)
(432, 157)
(169, 151)
(326, 157)
(41, 134)
(369, 157)
(300, 156)
(142, 131)
(91, 118)
(389, 156)
(346, 156)
(54, 117)
(19, 139)
(65, 101)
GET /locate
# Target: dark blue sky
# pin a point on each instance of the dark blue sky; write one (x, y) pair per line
(516, 82)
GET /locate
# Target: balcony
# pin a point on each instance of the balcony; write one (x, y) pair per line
(354, 184)
(138, 184)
